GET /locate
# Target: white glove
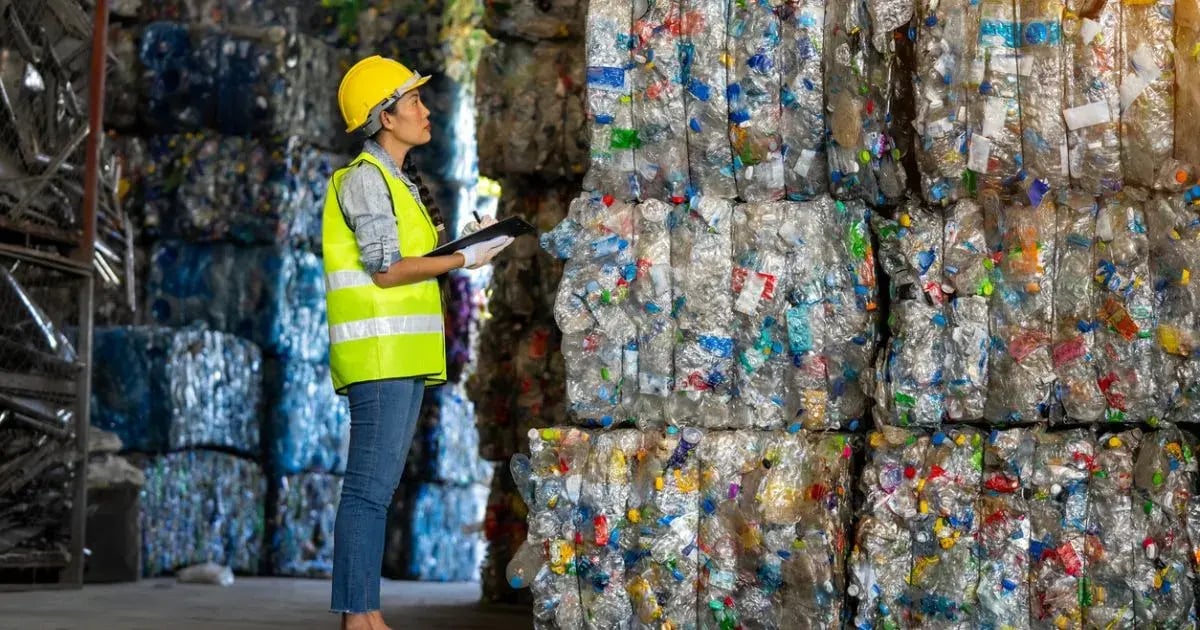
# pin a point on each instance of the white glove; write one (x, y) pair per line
(475, 226)
(480, 254)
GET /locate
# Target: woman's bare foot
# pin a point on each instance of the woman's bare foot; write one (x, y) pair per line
(377, 622)
(358, 621)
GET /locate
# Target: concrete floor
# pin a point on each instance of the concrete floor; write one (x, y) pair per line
(250, 604)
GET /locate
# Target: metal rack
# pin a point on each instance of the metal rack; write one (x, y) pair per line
(50, 258)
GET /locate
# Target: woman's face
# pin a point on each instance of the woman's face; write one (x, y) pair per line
(408, 120)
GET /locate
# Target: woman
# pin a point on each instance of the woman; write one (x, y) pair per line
(385, 314)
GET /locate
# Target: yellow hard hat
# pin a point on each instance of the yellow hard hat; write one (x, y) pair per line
(370, 87)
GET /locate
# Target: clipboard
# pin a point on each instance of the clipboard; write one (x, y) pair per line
(512, 226)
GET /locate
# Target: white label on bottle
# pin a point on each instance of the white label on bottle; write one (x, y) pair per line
(1087, 115)
(751, 295)
(1131, 87)
(1089, 30)
(981, 150)
(804, 163)
(994, 111)
(1144, 64)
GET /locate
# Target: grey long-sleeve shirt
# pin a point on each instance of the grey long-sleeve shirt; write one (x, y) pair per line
(367, 205)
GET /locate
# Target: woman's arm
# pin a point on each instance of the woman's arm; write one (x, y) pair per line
(418, 269)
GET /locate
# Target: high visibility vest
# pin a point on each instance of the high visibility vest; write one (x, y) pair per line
(377, 333)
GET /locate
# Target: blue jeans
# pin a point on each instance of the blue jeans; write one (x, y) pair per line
(383, 418)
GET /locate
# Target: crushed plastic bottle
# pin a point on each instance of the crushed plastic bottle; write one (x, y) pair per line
(1042, 82)
(615, 140)
(658, 109)
(653, 297)
(1147, 89)
(1058, 515)
(1163, 475)
(1004, 529)
(1107, 597)
(802, 97)
(860, 80)
(994, 151)
(1125, 311)
(1093, 107)
(608, 541)
(1022, 374)
(910, 389)
(1073, 349)
(1174, 229)
(883, 546)
(968, 282)
(755, 46)
(705, 64)
(702, 256)
(944, 33)
(945, 569)
(207, 573)
(761, 283)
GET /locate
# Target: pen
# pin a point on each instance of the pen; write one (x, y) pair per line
(477, 219)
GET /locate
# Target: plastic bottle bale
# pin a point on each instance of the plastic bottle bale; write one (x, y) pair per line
(653, 298)
(553, 492)
(1108, 597)
(445, 448)
(442, 526)
(754, 100)
(305, 513)
(852, 305)
(1073, 352)
(1125, 311)
(165, 389)
(599, 336)
(969, 284)
(1163, 477)
(122, 94)
(994, 151)
(705, 26)
(802, 98)
(814, 569)
(1042, 82)
(535, 21)
(1092, 35)
(280, 306)
(864, 158)
(505, 528)
(527, 99)
(945, 569)
(945, 31)
(664, 517)
(730, 462)
(1173, 231)
(201, 506)
(761, 283)
(702, 256)
(1021, 371)
(805, 231)
(908, 383)
(1004, 529)
(1147, 61)
(605, 529)
(1187, 80)
(310, 422)
(658, 110)
(881, 560)
(609, 41)
(1058, 517)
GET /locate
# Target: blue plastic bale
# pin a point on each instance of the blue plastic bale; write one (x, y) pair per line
(163, 389)
(446, 446)
(201, 506)
(271, 295)
(306, 509)
(310, 422)
(442, 531)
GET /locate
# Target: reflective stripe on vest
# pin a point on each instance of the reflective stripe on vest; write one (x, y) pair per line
(385, 326)
(380, 333)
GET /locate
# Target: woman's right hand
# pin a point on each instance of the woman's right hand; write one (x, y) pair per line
(480, 254)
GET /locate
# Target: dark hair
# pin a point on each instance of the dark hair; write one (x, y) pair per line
(410, 170)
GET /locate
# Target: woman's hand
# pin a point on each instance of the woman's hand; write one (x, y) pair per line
(475, 226)
(480, 254)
